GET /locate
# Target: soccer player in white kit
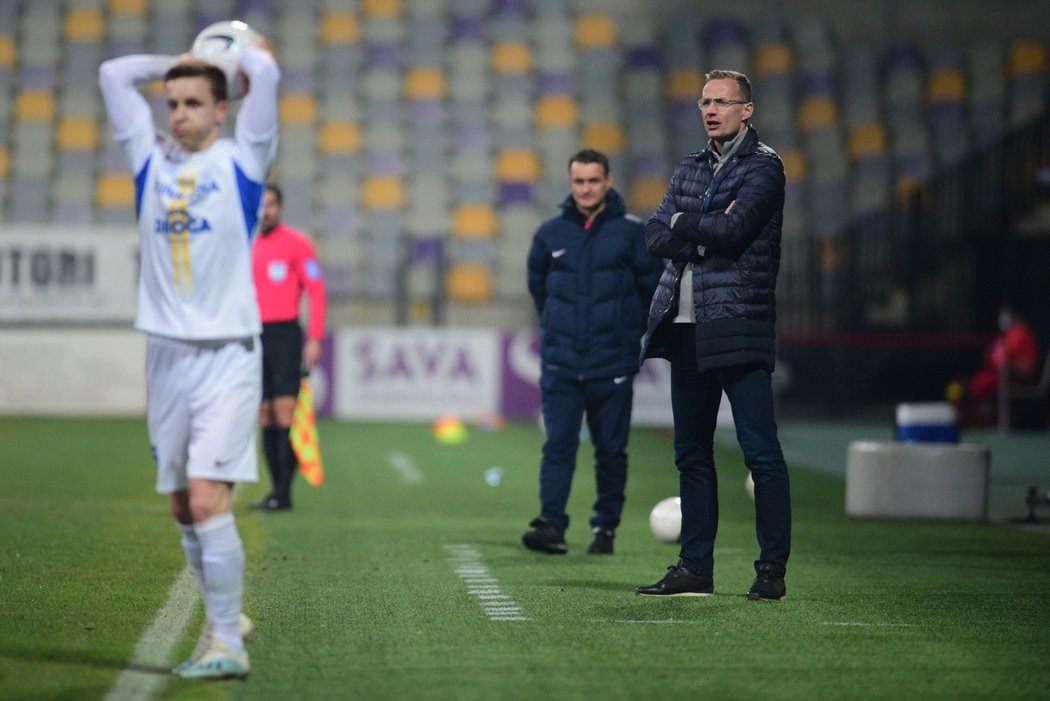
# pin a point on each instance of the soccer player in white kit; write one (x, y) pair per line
(198, 200)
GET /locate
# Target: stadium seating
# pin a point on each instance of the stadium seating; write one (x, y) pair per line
(421, 136)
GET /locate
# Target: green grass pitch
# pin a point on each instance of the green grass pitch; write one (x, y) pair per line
(403, 577)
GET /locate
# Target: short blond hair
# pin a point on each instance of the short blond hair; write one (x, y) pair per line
(741, 80)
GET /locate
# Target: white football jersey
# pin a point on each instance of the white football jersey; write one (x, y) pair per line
(197, 214)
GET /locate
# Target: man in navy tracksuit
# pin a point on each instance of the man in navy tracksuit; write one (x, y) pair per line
(591, 278)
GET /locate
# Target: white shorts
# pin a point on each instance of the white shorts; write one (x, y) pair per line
(202, 408)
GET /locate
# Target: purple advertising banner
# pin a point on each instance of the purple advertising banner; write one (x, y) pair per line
(521, 375)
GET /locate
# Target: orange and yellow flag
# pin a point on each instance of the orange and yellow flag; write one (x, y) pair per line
(304, 436)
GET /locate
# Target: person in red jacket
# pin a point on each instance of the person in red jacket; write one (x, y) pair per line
(284, 265)
(976, 399)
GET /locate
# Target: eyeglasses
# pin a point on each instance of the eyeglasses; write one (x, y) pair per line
(719, 102)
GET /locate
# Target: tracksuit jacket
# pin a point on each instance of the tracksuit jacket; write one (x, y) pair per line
(592, 289)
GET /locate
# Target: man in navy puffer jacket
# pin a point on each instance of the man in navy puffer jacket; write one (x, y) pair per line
(713, 317)
(592, 279)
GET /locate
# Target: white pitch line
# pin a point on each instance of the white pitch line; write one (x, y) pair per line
(404, 466)
(644, 622)
(857, 624)
(482, 585)
(141, 679)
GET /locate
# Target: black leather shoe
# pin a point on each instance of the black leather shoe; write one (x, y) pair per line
(768, 585)
(544, 537)
(679, 582)
(272, 504)
(601, 541)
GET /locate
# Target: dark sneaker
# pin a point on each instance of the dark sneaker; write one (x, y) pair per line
(601, 541)
(768, 585)
(679, 582)
(272, 504)
(544, 537)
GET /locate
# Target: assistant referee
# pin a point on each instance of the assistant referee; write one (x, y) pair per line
(285, 265)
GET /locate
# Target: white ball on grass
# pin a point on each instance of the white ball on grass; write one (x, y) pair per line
(665, 520)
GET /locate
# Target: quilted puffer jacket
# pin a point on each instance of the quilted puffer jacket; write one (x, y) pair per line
(735, 277)
(592, 289)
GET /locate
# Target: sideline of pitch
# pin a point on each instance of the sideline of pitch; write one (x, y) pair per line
(140, 680)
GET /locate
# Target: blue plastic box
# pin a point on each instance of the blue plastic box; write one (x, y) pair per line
(932, 422)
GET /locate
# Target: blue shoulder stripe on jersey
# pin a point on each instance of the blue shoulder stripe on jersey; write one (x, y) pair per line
(251, 196)
(140, 185)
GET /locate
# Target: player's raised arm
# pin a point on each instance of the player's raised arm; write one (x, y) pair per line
(257, 120)
(120, 78)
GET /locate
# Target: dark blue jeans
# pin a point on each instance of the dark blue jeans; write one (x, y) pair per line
(607, 403)
(695, 397)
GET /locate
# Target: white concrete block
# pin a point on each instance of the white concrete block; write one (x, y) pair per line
(937, 481)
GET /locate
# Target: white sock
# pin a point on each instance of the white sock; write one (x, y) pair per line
(192, 547)
(222, 557)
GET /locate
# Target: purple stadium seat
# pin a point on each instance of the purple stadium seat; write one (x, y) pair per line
(297, 80)
(383, 55)
(428, 250)
(467, 29)
(422, 112)
(385, 164)
(650, 164)
(723, 29)
(818, 84)
(37, 78)
(514, 8)
(511, 193)
(644, 56)
(902, 57)
(554, 84)
(471, 135)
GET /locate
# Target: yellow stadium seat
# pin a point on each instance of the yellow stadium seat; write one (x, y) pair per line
(794, 164)
(774, 57)
(115, 190)
(127, 7)
(35, 106)
(381, 9)
(511, 57)
(517, 165)
(298, 109)
(7, 51)
(474, 221)
(83, 24)
(816, 112)
(867, 140)
(383, 193)
(1027, 56)
(425, 83)
(77, 134)
(593, 31)
(339, 137)
(339, 28)
(647, 193)
(946, 85)
(556, 111)
(684, 84)
(603, 136)
(470, 283)
(5, 162)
